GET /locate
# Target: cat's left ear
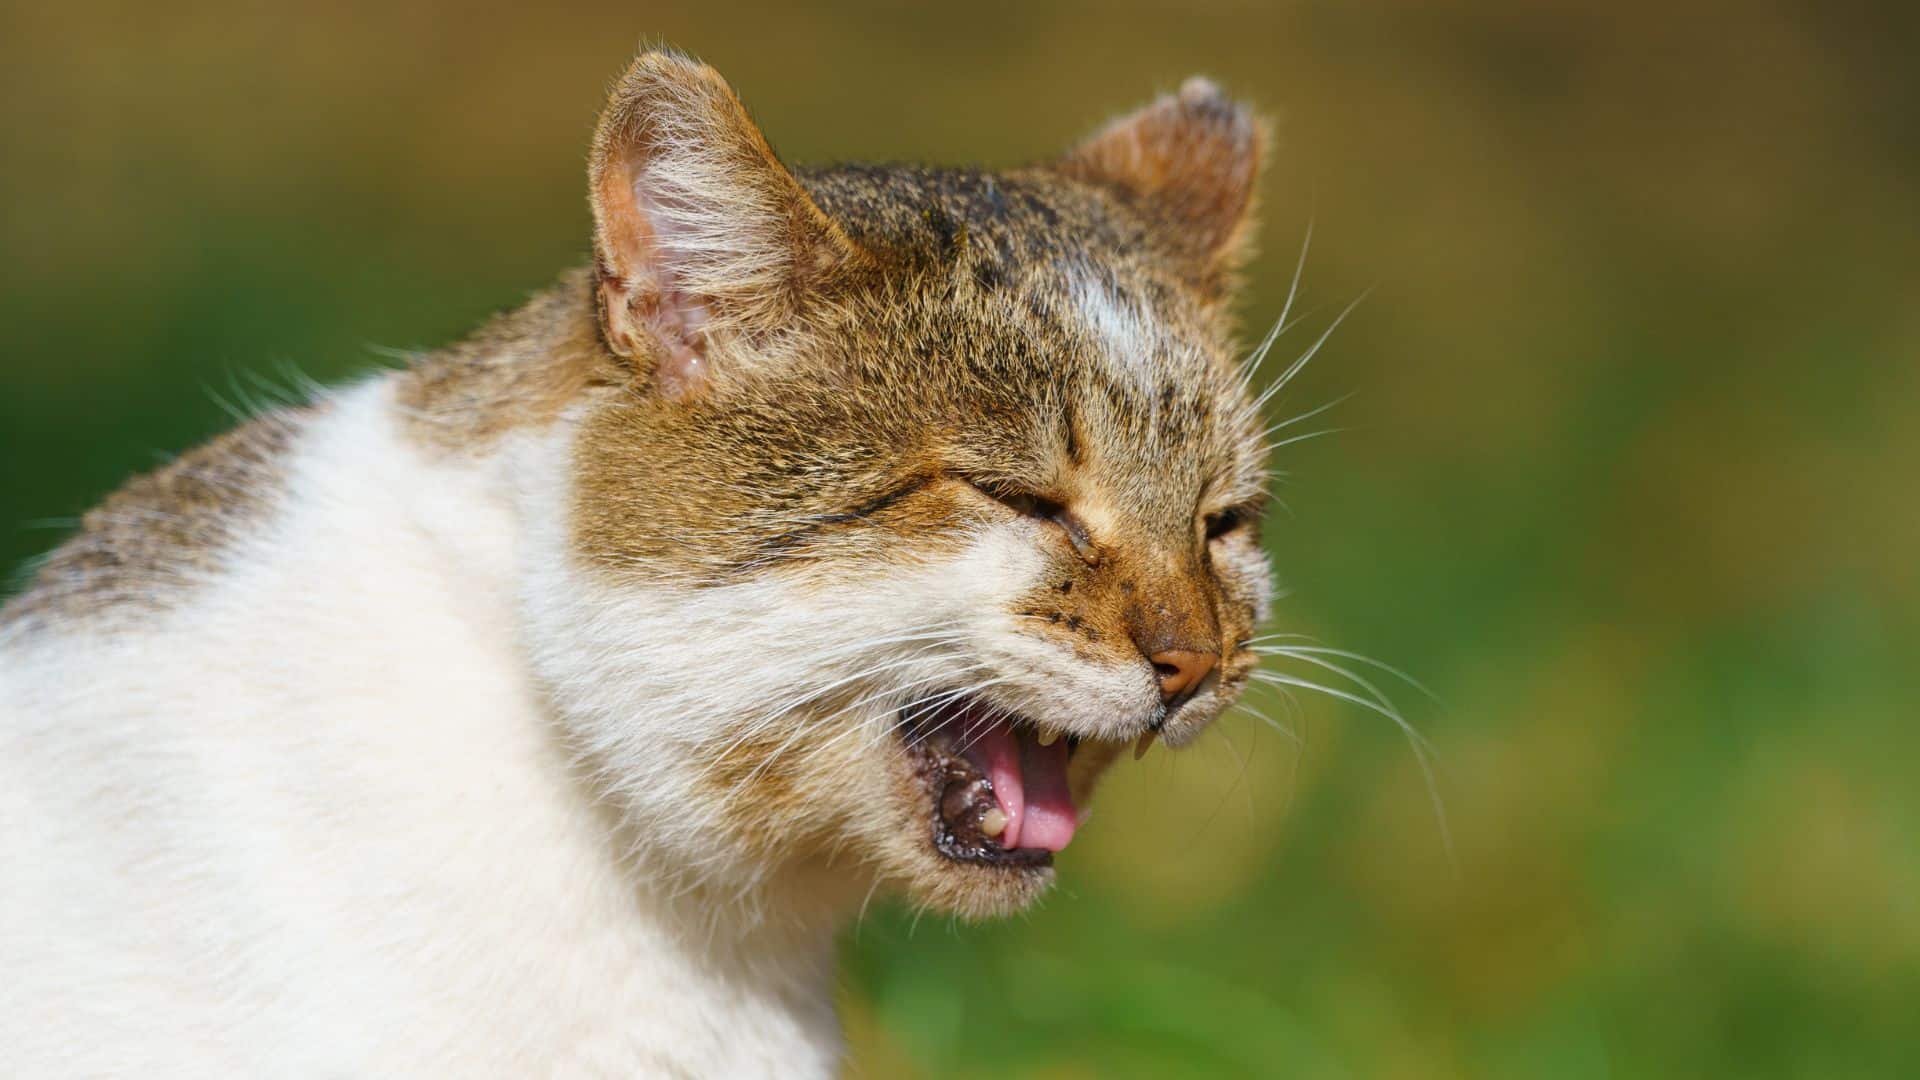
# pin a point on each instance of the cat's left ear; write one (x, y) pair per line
(1190, 163)
(702, 238)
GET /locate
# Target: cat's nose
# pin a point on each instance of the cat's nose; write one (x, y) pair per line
(1180, 671)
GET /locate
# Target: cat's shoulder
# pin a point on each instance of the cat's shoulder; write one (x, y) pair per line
(148, 544)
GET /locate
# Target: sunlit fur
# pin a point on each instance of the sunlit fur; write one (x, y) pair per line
(538, 709)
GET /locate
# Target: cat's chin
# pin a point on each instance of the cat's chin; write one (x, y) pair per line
(992, 797)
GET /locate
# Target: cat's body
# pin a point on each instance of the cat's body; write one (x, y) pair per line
(546, 707)
(315, 816)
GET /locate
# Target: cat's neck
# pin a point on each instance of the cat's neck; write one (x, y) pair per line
(733, 949)
(734, 944)
(503, 409)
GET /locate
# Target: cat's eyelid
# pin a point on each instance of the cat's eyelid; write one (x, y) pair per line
(1229, 519)
(1022, 500)
(1041, 508)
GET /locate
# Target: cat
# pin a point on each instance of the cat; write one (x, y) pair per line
(548, 704)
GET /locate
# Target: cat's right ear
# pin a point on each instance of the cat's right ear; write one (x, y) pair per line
(701, 236)
(1191, 162)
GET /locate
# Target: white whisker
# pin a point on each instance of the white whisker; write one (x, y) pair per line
(1422, 749)
(1287, 375)
(1362, 658)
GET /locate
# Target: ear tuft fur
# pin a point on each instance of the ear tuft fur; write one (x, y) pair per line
(1191, 161)
(700, 233)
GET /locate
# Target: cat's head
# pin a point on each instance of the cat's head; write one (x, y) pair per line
(912, 498)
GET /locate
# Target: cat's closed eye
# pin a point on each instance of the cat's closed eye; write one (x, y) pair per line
(1041, 508)
(1221, 522)
(1019, 500)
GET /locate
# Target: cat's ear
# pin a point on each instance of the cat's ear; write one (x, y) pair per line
(701, 236)
(1190, 162)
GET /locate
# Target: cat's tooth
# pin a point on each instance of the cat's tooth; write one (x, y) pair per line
(1047, 736)
(1145, 744)
(993, 822)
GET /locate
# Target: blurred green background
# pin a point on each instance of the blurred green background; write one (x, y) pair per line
(1629, 474)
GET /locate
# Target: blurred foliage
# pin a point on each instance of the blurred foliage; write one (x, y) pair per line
(1628, 477)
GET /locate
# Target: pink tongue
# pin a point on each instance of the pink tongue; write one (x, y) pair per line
(1050, 817)
(997, 754)
(1029, 783)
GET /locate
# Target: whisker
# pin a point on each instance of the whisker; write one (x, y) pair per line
(1287, 375)
(1238, 782)
(1286, 732)
(1299, 271)
(1280, 325)
(1299, 745)
(1268, 448)
(881, 736)
(1377, 703)
(1362, 658)
(1308, 415)
(924, 654)
(807, 728)
(1422, 749)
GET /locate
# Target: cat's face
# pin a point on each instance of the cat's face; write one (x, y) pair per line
(949, 524)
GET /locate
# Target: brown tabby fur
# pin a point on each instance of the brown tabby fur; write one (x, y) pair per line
(825, 375)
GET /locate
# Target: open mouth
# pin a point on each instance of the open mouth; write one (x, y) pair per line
(999, 793)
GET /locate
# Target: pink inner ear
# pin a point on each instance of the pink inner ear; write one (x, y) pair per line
(678, 318)
(701, 233)
(680, 322)
(639, 238)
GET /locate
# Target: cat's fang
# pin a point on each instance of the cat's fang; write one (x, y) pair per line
(1145, 744)
(1046, 736)
(993, 823)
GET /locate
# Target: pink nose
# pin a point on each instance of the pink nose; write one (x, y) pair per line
(1180, 670)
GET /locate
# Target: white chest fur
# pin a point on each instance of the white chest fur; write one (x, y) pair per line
(317, 819)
